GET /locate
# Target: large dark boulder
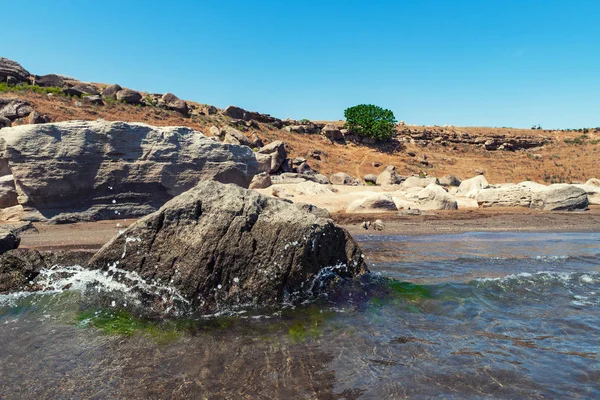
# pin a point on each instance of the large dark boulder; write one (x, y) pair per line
(50, 80)
(172, 102)
(9, 240)
(89, 170)
(129, 96)
(13, 69)
(222, 247)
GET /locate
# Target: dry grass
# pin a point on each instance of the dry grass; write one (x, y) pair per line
(556, 162)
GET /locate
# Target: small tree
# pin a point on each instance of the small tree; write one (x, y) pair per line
(369, 120)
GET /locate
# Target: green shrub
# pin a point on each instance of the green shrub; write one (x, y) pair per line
(371, 121)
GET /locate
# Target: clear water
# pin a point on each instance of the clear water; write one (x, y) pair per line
(496, 315)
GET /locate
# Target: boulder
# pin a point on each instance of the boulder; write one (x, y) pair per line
(231, 135)
(95, 99)
(50, 80)
(271, 156)
(434, 197)
(511, 196)
(9, 240)
(129, 96)
(593, 182)
(313, 189)
(533, 186)
(332, 132)
(81, 89)
(342, 178)
(377, 202)
(370, 179)
(593, 193)
(14, 108)
(14, 69)
(8, 192)
(378, 225)
(319, 212)
(223, 247)
(172, 102)
(560, 197)
(449, 180)
(5, 122)
(470, 187)
(84, 170)
(110, 92)
(388, 177)
(234, 112)
(417, 182)
(260, 181)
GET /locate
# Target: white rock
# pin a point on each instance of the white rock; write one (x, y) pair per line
(470, 187)
(374, 203)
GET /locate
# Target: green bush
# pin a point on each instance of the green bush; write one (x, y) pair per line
(371, 121)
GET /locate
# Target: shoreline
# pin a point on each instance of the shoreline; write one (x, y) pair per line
(91, 236)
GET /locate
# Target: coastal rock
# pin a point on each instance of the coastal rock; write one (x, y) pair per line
(84, 170)
(13, 69)
(593, 193)
(342, 178)
(470, 187)
(377, 202)
(9, 240)
(510, 196)
(224, 247)
(388, 177)
(260, 181)
(560, 197)
(434, 197)
(8, 192)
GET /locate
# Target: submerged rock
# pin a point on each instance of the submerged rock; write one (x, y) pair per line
(224, 247)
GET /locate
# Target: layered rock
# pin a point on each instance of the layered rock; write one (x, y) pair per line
(470, 187)
(224, 247)
(82, 170)
(377, 202)
(10, 68)
(560, 197)
(13, 109)
(510, 196)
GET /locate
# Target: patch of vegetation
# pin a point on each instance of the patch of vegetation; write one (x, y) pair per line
(370, 121)
(304, 121)
(29, 88)
(578, 140)
(409, 290)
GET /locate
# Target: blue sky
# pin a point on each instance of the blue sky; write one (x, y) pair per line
(475, 63)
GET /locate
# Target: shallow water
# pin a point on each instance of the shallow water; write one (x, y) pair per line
(502, 315)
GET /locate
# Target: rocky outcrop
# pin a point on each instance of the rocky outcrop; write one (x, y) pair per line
(9, 240)
(377, 202)
(50, 80)
(342, 178)
(489, 142)
(417, 182)
(449, 180)
(10, 68)
(241, 114)
(332, 132)
(510, 196)
(82, 170)
(470, 187)
(110, 92)
(81, 89)
(224, 247)
(389, 177)
(559, 197)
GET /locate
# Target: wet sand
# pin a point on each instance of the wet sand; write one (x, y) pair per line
(93, 235)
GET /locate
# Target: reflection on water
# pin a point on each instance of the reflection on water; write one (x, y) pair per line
(494, 315)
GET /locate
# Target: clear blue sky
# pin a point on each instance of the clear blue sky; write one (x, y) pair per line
(494, 63)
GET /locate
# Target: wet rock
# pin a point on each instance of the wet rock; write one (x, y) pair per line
(74, 170)
(342, 178)
(224, 247)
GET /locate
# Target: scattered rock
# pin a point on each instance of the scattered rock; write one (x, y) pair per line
(376, 202)
(172, 102)
(110, 92)
(129, 96)
(14, 108)
(342, 178)
(50, 80)
(260, 181)
(332, 132)
(378, 225)
(366, 225)
(95, 99)
(389, 177)
(271, 156)
(511, 196)
(417, 182)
